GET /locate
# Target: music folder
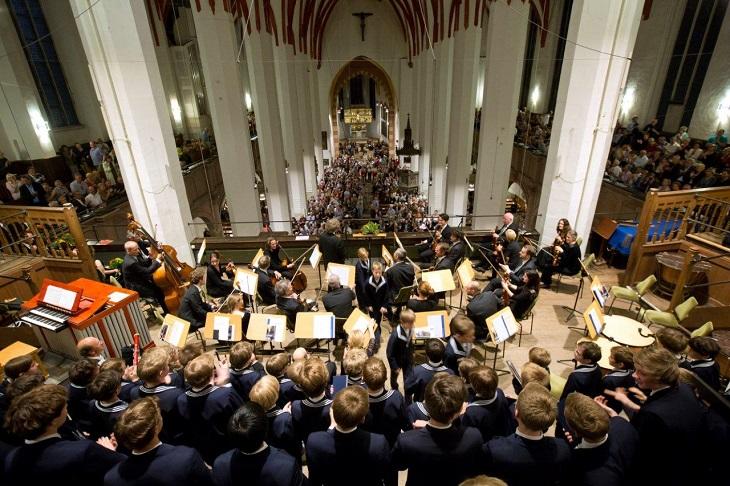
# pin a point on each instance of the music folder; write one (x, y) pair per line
(60, 296)
(174, 331)
(440, 280)
(314, 325)
(266, 327)
(387, 257)
(345, 272)
(433, 324)
(502, 325)
(359, 321)
(465, 272)
(599, 291)
(593, 317)
(222, 327)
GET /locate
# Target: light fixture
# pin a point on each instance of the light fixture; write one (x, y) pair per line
(176, 111)
(627, 102)
(248, 101)
(723, 109)
(535, 96)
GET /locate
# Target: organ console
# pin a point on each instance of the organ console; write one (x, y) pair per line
(62, 314)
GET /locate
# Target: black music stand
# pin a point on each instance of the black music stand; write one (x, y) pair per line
(574, 310)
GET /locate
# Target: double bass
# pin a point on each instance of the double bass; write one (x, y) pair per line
(173, 276)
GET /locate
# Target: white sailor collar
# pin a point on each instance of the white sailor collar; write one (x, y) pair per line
(422, 408)
(483, 402)
(118, 406)
(435, 367)
(157, 389)
(456, 347)
(378, 285)
(585, 368)
(206, 390)
(381, 397)
(702, 363)
(402, 334)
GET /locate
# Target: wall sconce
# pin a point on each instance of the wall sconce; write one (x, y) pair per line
(247, 98)
(286, 167)
(176, 111)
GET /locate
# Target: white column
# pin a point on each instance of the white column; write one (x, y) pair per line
(216, 38)
(502, 82)
(120, 51)
(262, 76)
(439, 146)
(461, 132)
(286, 88)
(601, 39)
(23, 123)
(425, 65)
(317, 118)
(305, 130)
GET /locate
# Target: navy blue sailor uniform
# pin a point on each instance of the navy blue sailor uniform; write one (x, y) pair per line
(491, 416)
(377, 295)
(78, 402)
(103, 417)
(164, 464)
(618, 379)
(310, 415)
(285, 390)
(454, 352)
(520, 461)
(611, 463)
(167, 400)
(54, 460)
(362, 274)
(706, 369)
(281, 432)
(399, 352)
(422, 374)
(205, 413)
(333, 455)
(387, 415)
(243, 380)
(438, 456)
(416, 411)
(268, 466)
(585, 379)
(126, 388)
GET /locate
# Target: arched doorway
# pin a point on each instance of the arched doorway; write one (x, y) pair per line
(351, 76)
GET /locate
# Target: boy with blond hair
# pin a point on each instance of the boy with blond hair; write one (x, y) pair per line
(489, 412)
(276, 366)
(400, 348)
(352, 365)
(334, 454)
(280, 434)
(244, 371)
(460, 343)
(312, 413)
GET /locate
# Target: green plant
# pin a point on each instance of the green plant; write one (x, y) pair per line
(115, 263)
(370, 228)
(64, 241)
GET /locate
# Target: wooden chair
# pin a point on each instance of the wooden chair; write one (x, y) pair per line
(704, 330)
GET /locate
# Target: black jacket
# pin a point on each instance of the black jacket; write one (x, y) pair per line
(332, 248)
(265, 288)
(398, 276)
(28, 198)
(362, 273)
(137, 274)
(339, 302)
(193, 309)
(217, 287)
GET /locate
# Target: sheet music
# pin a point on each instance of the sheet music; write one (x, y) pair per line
(175, 333)
(275, 329)
(201, 251)
(599, 297)
(502, 329)
(301, 238)
(115, 297)
(323, 327)
(362, 324)
(315, 257)
(514, 371)
(342, 272)
(436, 325)
(59, 297)
(246, 281)
(595, 322)
(222, 326)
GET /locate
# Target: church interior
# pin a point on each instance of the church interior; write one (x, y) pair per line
(470, 242)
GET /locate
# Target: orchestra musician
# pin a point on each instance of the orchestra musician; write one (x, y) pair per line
(567, 259)
(546, 255)
(401, 274)
(443, 260)
(527, 262)
(457, 251)
(362, 274)
(338, 300)
(276, 266)
(490, 242)
(520, 297)
(331, 246)
(424, 300)
(137, 271)
(215, 284)
(289, 303)
(264, 287)
(442, 232)
(193, 308)
(480, 306)
(510, 249)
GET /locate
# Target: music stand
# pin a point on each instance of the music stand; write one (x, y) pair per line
(174, 331)
(404, 294)
(266, 328)
(257, 257)
(501, 325)
(440, 280)
(345, 272)
(359, 321)
(574, 310)
(431, 325)
(465, 273)
(223, 328)
(387, 257)
(594, 322)
(247, 282)
(316, 325)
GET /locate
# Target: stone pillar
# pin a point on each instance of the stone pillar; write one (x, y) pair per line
(286, 87)
(601, 39)
(505, 61)
(119, 48)
(438, 148)
(217, 44)
(305, 131)
(425, 66)
(461, 132)
(24, 130)
(262, 76)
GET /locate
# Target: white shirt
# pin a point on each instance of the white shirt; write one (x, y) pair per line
(93, 200)
(592, 445)
(41, 439)
(529, 437)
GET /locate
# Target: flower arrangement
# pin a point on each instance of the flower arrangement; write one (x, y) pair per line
(370, 228)
(116, 263)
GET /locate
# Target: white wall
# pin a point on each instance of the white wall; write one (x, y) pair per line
(544, 60)
(78, 78)
(650, 61)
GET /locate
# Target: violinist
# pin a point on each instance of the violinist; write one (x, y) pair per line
(290, 303)
(276, 266)
(424, 300)
(264, 287)
(567, 259)
(216, 285)
(480, 306)
(193, 308)
(520, 297)
(546, 256)
(457, 251)
(443, 260)
(137, 271)
(510, 249)
(526, 263)
(442, 232)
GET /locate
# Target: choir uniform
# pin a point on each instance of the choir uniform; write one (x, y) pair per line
(585, 379)
(292, 393)
(706, 369)
(167, 400)
(400, 354)
(445, 457)
(102, 417)
(670, 425)
(126, 389)
(618, 379)
(454, 352)
(492, 417)
(78, 401)
(53, 460)
(362, 274)
(164, 464)
(610, 463)
(310, 415)
(244, 379)
(285, 386)
(377, 295)
(333, 455)
(422, 374)
(416, 411)
(281, 432)
(268, 466)
(387, 415)
(205, 413)
(522, 461)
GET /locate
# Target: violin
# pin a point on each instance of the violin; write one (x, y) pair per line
(173, 276)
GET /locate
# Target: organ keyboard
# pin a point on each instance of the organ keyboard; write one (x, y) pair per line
(106, 312)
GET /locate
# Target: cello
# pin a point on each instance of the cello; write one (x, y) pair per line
(173, 276)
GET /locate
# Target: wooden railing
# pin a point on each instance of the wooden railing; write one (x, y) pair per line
(53, 234)
(668, 217)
